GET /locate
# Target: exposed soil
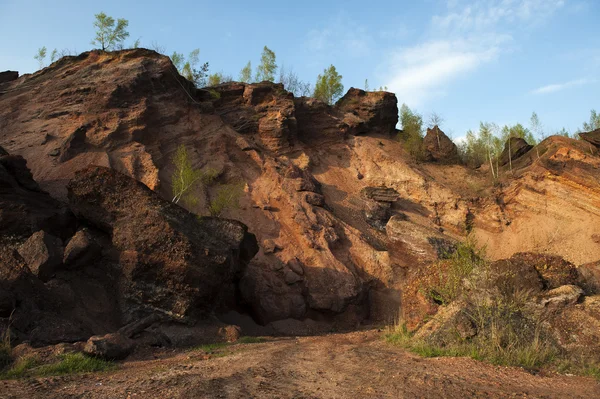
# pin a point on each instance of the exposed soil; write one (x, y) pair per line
(353, 365)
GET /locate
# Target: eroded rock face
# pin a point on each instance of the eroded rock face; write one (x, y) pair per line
(376, 111)
(515, 147)
(439, 148)
(592, 137)
(171, 261)
(43, 253)
(24, 207)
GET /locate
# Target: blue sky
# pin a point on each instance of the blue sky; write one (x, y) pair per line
(468, 61)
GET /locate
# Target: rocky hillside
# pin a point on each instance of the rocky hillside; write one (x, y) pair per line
(341, 213)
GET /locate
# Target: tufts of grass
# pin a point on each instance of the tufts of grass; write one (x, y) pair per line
(75, 363)
(251, 340)
(210, 348)
(71, 363)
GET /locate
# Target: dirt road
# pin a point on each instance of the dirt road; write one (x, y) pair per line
(353, 365)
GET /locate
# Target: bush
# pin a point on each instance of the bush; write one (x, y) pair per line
(227, 197)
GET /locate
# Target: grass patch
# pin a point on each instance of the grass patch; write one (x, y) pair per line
(70, 363)
(251, 340)
(210, 348)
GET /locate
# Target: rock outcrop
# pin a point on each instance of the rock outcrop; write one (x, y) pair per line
(514, 148)
(171, 261)
(8, 76)
(303, 164)
(439, 148)
(592, 137)
(140, 257)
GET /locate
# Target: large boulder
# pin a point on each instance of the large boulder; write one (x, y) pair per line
(592, 137)
(514, 148)
(439, 148)
(171, 260)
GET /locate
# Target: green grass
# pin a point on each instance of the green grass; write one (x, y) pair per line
(251, 340)
(210, 348)
(71, 363)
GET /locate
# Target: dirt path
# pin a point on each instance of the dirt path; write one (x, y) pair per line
(354, 365)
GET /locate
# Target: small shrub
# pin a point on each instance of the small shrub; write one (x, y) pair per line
(214, 94)
(452, 272)
(227, 197)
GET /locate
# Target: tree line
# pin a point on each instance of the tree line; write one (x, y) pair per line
(482, 146)
(110, 34)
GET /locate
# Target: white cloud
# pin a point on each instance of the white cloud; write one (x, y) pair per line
(420, 72)
(553, 88)
(468, 36)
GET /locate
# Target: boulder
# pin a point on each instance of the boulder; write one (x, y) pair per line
(553, 270)
(8, 76)
(562, 296)
(81, 249)
(43, 253)
(113, 346)
(171, 261)
(515, 147)
(439, 148)
(592, 137)
(372, 111)
(589, 277)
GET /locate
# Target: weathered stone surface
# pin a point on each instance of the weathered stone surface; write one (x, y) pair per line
(43, 254)
(515, 147)
(171, 261)
(81, 249)
(24, 207)
(367, 112)
(439, 148)
(562, 296)
(592, 137)
(381, 194)
(589, 277)
(113, 346)
(8, 76)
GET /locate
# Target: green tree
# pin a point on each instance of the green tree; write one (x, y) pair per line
(218, 78)
(109, 36)
(412, 132)
(366, 84)
(594, 122)
(329, 86)
(517, 130)
(246, 73)
(536, 126)
(268, 66)
(185, 177)
(40, 56)
(53, 55)
(189, 69)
